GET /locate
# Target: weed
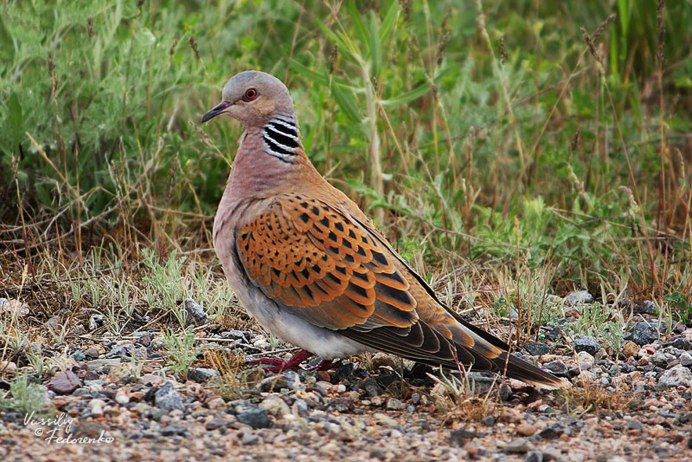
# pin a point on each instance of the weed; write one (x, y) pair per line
(25, 397)
(181, 351)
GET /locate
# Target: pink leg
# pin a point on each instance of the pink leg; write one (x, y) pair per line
(278, 364)
(325, 365)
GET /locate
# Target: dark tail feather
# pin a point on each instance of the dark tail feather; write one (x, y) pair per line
(526, 372)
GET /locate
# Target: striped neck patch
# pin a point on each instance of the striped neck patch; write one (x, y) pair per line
(281, 138)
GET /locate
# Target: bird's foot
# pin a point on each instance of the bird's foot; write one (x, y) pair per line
(277, 365)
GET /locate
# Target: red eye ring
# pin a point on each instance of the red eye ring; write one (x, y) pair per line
(250, 94)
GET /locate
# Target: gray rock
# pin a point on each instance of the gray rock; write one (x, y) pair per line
(394, 404)
(254, 416)
(518, 446)
(488, 420)
(64, 383)
(175, 429)
(99, 364)
(217, 423)
(643, 333)
(195, 312)
(586, 343)
(585, 360)
(660, 359)
(300, 408)
(201, 374)
(249, 439)
(635, 425)
(675, 377)
(534, 456)
(537, 348)
(686, 359)
(557, 367)
(459, 437)
(275, 406)
(78, 355)
(122, 351)
(167, 398)
(646, 307)
(578, 297)
(681, 344)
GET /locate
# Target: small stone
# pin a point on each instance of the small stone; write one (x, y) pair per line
(217, 423)
(174, 429)
(394, 404)
(121, 397)
(78, 355)
(557, 367)
(99, 364)
(275, 406)
(122, 351)
(686, 359)
(372, 388)
(195, 312)
(96, 407)
(585, 361)
(534, 456)
(459, 438)
(630, 349)
(249, 439)
(525, 429)
(518, 446)
(378, 453)
(201, 374)
(635, 425)
(676, 377)
(384, 419)
(586, 343)
(167, 398)
(92, 353)
(659, 359)
(646, 307)
(550, 433)
(578, 297)
(643, 333)
(64, 383)
(300, 408)
(537, 348)
(488, 420)
(254, 416)
(216, 403)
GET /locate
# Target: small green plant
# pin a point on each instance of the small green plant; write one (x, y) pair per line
(25, 396)
(181, 351)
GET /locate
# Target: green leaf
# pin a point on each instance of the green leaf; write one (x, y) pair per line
(14, 124)
(347, 102)
(361, 32)
(407, 97)
(375, 46)
(389, 22)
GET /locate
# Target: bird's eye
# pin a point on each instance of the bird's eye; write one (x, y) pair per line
(250, 94)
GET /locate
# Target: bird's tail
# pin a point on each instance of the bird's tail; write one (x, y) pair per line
(526, 372)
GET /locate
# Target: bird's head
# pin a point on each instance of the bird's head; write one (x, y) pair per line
(253, 98)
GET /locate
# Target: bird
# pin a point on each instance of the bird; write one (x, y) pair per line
(309, 265)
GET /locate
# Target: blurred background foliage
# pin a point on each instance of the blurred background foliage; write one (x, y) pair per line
(550, 133)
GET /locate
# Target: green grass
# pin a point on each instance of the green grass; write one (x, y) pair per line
(506, 142)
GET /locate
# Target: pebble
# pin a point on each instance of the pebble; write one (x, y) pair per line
(96, 407)
(168, 398)
(384, 419)
(300, 408)
(646, 307)
(249, 439)
(537, 348)
(578, 297)
(585, 361)
(275, 406)
(64, 383)
(394, 404)
(254, 416)
(586, 343)
(195, 312)
(201, 374)
(525, 429)
(676, 377)
(630, 349)
(217, 423)
(121, 397)
(518, 446)
(557, 367)
(459, 437)
(686, 359)
(643, 333)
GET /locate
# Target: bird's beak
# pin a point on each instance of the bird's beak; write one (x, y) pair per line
(216, 110)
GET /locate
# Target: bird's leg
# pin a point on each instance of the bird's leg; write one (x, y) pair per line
(277, 364)
(324, 365)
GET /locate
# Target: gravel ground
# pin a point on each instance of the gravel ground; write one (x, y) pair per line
(116, 401)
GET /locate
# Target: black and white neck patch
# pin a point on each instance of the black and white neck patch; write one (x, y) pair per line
(281, 137)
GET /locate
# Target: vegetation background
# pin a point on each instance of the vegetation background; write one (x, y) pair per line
(509, 149)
